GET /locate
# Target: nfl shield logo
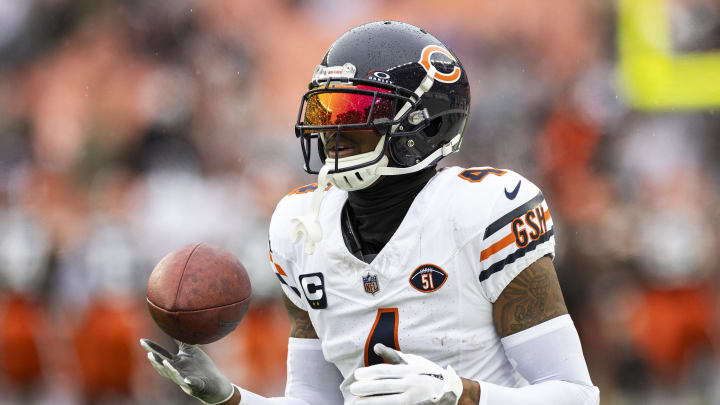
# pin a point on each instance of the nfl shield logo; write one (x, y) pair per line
(371, 284)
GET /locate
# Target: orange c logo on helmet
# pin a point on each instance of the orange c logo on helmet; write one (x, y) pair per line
(451, 77)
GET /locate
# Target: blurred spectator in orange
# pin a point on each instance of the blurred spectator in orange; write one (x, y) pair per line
(22, 326)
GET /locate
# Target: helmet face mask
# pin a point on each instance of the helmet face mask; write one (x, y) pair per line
(395, 79)
(364, 105)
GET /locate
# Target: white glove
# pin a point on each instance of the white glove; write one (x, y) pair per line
(192, 370)
(407, 380)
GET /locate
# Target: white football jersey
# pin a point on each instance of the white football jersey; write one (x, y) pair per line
(430, 290)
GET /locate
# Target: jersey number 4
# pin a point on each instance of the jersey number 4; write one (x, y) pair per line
(477, 175)
(385, 331)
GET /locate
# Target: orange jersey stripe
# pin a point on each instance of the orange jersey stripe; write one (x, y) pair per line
(280, 270)
(497, 246)
(277, 267)
(504, 242)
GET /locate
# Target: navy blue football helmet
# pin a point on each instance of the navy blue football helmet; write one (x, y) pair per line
(396, 79)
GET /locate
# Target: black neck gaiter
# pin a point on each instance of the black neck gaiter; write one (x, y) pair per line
(376, 212)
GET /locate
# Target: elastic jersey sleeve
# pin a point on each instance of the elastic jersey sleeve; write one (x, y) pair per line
(283, 253)
(283, 271)
(519, 231)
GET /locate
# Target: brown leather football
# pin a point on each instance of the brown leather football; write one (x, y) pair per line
(198, 293)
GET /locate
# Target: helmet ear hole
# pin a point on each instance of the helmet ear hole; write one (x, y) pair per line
(432, 129)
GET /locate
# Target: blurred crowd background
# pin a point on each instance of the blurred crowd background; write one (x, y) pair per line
(129, 128)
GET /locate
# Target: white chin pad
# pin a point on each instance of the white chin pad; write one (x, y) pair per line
(357, 179)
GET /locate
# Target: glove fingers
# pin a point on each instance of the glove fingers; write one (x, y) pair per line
(152, 347)
(394, 399)
(192, 370)
(188, 390)
(174, 374)
(379, 371)
(390, 355)
(379, 387)
(156, 362)
(197, 384)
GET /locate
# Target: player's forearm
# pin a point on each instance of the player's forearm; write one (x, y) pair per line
(549, 356)
(547, 393)
(471, 392)
(553, 392)
(311, 380)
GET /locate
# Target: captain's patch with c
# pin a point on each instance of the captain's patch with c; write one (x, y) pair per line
(313, 286)
(427, 278)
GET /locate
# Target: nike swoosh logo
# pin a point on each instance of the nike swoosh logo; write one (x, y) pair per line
(511, 195)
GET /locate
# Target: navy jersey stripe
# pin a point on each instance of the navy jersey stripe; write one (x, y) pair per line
(495, 267)
(295, 290)
(501, 222)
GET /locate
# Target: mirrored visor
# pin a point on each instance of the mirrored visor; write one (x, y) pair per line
(342, 108)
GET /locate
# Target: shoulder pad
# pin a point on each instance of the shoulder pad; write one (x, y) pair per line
(484, 195)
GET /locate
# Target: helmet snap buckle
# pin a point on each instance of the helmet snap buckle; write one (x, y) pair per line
(416, 117)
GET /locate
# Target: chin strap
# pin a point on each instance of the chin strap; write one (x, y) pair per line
(446, 149)
(357, 179)
(308, 225)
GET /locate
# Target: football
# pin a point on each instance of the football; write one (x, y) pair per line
(198, 293)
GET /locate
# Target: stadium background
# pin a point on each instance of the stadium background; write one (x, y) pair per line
(129, 128)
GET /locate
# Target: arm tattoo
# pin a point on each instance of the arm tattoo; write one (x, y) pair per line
(471, 392)
(300, 325)
(531, 298)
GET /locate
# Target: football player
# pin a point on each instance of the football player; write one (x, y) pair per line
(406, 284)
